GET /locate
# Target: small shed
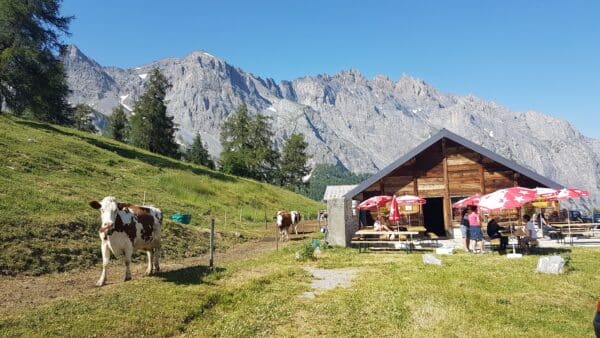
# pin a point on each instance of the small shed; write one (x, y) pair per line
(335, 198)
(337, 191)
(443, 169)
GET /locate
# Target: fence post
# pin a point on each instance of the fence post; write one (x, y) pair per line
(265, 219)
(212, 244)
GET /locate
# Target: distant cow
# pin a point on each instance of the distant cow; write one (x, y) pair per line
(296, 218)
(322, 215)
(284, 221)
(126, 227)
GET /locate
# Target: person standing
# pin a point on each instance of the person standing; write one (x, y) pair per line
(464, 229)
(475, 230)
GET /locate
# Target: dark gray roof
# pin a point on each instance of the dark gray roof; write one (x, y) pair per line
(444, 133)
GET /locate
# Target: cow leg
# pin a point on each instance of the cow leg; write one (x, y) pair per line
(105, 260)
(157, 259)
(127, 258)
(149, 269)
(296, 228)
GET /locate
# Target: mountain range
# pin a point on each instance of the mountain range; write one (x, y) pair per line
(347, 119)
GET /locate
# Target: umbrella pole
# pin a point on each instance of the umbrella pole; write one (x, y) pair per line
(511, 234)
(569, 223)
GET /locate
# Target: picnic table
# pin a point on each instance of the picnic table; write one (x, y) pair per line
(364, 237)
(575, 229)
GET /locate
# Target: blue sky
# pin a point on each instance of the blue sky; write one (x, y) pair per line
(526, 55)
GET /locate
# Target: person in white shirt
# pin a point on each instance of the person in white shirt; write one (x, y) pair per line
(379, 225)
(531, 234)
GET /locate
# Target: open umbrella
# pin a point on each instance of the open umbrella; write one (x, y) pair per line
(374, 203)
(410, 199)
(465, 202)
(567, 193)
(508, 198)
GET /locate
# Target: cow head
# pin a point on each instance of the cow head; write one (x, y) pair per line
(280, 217)
(108, 211)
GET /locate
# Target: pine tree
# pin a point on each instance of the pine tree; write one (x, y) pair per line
(198, 154)
(236, 156)
(83, 118)
(118, 125)
(151, 128)
(32, 79)
(261, 142)
(292, 165)
(248, 146)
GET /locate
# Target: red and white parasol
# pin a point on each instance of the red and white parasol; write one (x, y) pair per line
(546, 193)
(508, 198)
(567, 193)
(374, 202)
(394, 212)
(410, 199)
(465, 202)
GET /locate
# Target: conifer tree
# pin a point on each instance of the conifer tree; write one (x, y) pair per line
(118, 124)
(248, 146)
(32, 79)
(151, 128)
(292, 165)
(82, 118)
(261, 142)
(198, 154)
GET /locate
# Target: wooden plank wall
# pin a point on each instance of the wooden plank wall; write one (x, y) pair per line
(465, 171)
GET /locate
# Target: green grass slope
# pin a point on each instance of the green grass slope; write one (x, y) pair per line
(48, 175)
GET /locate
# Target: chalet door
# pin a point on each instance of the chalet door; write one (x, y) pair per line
(433, 215)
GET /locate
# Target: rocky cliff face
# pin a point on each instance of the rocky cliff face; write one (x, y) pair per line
(346, 118)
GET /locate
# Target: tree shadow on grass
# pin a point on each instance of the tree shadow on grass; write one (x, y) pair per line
(191, 275)
(125, 151)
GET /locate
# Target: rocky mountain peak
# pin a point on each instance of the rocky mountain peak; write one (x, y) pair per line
(363, 124)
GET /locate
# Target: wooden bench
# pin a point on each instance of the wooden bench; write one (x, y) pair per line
(364, 237)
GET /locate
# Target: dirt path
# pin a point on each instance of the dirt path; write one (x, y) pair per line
(23, 292)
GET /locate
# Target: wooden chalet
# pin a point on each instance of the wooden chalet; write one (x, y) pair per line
(443, 170)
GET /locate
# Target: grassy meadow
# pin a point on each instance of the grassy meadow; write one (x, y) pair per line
(48, 175)
(393, 294)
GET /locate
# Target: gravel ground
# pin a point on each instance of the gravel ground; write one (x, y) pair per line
(327, 279)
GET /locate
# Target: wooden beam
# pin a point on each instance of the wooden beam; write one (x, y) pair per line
(482, 178)
(447, 207)
(381, 187)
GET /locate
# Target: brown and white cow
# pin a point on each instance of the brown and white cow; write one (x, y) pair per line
(296, 218)
(127, 227)
(284, 221)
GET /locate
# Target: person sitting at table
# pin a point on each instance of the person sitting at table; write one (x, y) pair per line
(493, 230)
(380, 225)
(530, 234)
(475, 230)
(547, 229)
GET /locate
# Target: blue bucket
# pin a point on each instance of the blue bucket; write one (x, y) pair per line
(181, 218)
